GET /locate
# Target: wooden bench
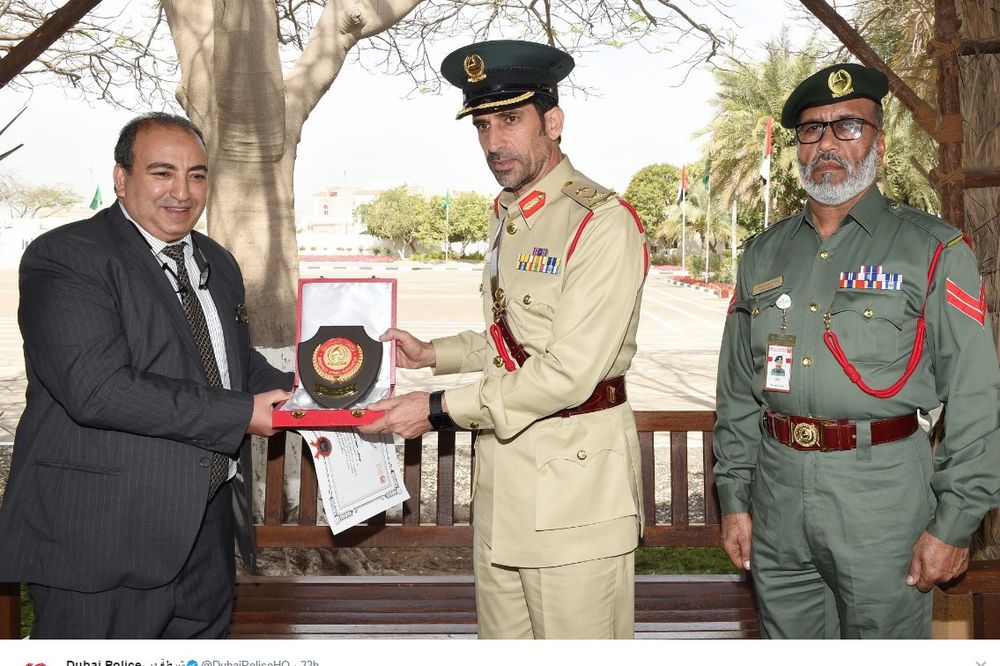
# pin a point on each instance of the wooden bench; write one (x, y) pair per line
(710, 606)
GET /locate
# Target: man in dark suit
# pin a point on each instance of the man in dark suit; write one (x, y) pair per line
(142, 393)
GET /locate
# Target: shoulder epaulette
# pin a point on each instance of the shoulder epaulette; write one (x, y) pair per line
(586, 192)
(748, 239)
(935, 226)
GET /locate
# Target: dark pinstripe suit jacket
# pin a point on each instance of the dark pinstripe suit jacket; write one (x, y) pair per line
(110, 473)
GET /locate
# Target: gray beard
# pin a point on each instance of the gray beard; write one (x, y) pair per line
(859, 177)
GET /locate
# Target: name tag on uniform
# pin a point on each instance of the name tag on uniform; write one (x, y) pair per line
(778, 372)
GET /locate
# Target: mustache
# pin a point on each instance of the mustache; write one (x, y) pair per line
(499, 156)
(829, 157)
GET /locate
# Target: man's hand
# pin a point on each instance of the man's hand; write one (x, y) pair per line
(405, 415)
(263, 403)
(935, 561)
(736, 531)
(410, 352)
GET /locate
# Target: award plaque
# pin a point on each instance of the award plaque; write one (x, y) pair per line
(339, 365)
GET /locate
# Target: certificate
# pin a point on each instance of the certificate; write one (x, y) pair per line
(358, 474)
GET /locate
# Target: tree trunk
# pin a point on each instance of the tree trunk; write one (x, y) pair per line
(252, 115)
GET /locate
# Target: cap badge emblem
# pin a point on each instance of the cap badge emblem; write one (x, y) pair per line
(839, 82)
(475, 68)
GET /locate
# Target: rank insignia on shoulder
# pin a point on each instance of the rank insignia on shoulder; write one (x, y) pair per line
(587, 193)
(871, 277)
(538, 261)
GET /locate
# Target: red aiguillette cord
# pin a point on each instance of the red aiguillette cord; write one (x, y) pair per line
(501, 347)
(830, 338)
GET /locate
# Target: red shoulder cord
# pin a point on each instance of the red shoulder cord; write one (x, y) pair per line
(830, 338)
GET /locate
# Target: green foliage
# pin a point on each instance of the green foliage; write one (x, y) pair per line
(397, 215)
(682, 560)
(27, 612)
(468, 218)
(650, 191)
(749, 92)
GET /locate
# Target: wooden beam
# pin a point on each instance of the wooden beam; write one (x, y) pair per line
(982, 177)
(980, 46)
(948, 173)
(41, 39)
(925, 115)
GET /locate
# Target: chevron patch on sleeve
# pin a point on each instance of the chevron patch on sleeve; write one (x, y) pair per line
(966, 303)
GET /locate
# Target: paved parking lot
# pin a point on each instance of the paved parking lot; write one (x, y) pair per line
(679, 333)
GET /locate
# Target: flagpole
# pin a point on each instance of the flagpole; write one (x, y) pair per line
(708, 224)
(765, 170)
(447, 222)
(732, 242)
(683, 234)
(767, 201)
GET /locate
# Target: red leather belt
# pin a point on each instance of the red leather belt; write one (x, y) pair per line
(807, 434)
(609, 393)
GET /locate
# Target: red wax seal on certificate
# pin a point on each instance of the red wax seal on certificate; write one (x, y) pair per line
(338, 359)
(339, 365)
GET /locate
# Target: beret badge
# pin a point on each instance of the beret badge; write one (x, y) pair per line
(840, 83)
(475, 68)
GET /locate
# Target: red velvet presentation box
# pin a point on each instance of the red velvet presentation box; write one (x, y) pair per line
(341, 302)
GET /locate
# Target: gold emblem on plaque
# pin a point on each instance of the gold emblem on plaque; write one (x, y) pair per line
(806, 434)
(840, 83)
(338, 359)
(475, 68)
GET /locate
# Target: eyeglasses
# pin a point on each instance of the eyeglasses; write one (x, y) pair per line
(845, 129)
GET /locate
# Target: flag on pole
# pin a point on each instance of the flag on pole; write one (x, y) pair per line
(765, 164)
(96, 202)
(682, 192)
(447, 200)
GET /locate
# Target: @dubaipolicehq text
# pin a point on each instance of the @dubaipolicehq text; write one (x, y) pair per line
(187, 662)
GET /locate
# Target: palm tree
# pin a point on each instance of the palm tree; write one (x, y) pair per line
(749, 92)
(695, 211)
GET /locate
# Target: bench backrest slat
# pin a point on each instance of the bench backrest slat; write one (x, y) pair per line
(412, 462)
(446, 479)
(678, 477)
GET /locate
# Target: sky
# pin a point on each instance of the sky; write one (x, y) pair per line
(366, 132)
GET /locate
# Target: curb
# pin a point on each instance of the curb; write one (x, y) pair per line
(696, 287)
(343, 266)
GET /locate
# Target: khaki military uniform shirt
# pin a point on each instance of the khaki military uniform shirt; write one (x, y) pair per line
(876, 327)
(571, 263)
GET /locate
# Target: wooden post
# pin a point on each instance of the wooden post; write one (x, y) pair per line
(948, 177)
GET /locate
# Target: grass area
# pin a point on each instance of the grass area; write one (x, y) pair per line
(27, 612)
(682, 560)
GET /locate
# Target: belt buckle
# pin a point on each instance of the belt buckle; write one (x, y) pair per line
(807, 435)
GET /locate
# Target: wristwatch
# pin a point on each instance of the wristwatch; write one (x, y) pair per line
(439, 419)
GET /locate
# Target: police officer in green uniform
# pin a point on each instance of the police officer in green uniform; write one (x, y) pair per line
(557, 484)
(828, 488)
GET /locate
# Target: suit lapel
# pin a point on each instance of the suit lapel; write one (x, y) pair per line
(137, 253)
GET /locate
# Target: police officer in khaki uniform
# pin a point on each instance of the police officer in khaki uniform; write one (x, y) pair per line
(827, 484)
(557, 485)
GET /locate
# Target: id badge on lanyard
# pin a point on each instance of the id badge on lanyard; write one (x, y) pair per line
(780, 352)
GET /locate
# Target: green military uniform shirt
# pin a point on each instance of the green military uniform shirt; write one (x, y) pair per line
(572, 264)
(876, 325)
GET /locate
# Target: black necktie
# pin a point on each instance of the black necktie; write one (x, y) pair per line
(203, 341)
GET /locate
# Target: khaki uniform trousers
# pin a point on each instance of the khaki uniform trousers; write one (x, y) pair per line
(832, 540)
(592, 599)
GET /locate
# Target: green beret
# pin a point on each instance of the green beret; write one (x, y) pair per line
(833, 84)
(504, 73)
